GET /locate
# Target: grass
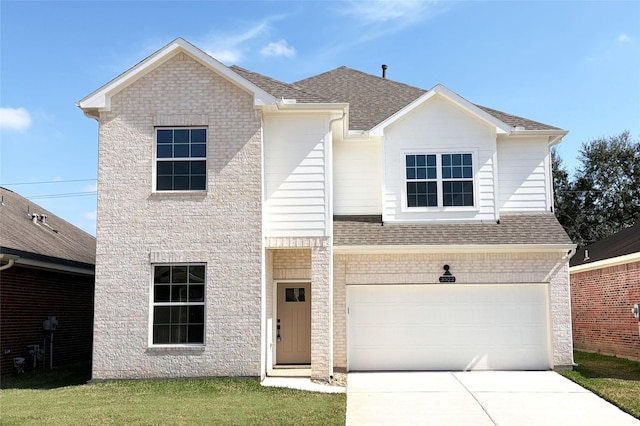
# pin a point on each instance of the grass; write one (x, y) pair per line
(615, 379)
(58, 398)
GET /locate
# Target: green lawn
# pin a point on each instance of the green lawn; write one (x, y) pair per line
(34, 400)
(615, 379)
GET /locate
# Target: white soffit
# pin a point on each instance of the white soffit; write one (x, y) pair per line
(441, 90)
(101, 98)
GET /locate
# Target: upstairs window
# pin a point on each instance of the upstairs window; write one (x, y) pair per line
(422, 183)
(457, 180)
(181, 159)
(439, 180)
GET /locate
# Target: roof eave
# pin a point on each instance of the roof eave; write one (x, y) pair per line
(605, 263)
(555, 135)
(456, 248)
(290, 105)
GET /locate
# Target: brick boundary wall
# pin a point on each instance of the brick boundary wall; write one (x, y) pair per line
(601, 302)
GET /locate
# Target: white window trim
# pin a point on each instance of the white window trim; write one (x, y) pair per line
(440, 208)
(150, 343)
(154, 168)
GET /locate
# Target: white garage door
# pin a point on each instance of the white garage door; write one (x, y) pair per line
(448, 327)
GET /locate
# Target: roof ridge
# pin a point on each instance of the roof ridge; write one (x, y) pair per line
(344, 67)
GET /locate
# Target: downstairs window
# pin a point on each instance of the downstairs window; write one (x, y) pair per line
(178, 304)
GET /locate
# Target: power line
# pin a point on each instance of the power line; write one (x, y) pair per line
(67, 195)
(47, 182)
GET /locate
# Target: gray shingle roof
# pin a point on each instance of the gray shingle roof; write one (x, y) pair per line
(515, 121)
(513, 229)
(60, 240)
(621, 243)
(277, 88)
(371, 99)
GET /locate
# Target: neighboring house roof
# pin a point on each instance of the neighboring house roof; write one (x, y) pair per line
(514, 229)
(621, 243)
(53, 240)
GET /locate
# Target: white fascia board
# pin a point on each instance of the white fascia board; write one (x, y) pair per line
(338, 111)
(606, 263)
(441, 90)
(101, 98)
(555, 136)
(479, 248)
(315, 107)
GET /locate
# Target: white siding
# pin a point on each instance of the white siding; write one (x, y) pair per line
(357, 177)
(295, 168)
(439, 126)
(523, 174)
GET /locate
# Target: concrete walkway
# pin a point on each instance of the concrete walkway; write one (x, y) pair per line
(502, 398)
(300, 383)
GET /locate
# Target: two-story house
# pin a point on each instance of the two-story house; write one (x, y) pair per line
(345, 221)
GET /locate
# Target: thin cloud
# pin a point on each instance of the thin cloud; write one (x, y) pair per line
(614, 47)
(384, 11)
(90, 215)
(232, 47)
(373, 19)
(17, 119)
(623, 38)
(280, 48)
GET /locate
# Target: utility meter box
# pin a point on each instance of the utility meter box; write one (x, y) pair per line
(50, 324)
(636, 310)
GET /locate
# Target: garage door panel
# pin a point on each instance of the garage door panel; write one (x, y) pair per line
(448, 327)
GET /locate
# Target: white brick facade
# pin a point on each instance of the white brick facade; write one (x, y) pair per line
(137, 227)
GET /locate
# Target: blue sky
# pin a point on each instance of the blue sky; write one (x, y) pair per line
(571, 64)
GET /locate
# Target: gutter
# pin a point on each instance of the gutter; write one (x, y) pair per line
(605, 263)
(24, 258)
(568, 249)
(555, 136)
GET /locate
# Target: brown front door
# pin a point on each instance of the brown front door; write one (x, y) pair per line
(293, 324)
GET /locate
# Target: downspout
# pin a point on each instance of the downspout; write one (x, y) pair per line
(11, 260)
(8, 265)
(330, 231)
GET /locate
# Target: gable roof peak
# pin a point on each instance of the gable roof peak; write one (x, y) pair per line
(100, 100)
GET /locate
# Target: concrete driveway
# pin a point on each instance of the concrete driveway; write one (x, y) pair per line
(475, 398)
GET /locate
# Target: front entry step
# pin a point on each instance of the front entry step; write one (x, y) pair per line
(290, 371)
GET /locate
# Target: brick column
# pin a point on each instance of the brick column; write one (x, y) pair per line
(321, 312)
(561, 317)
